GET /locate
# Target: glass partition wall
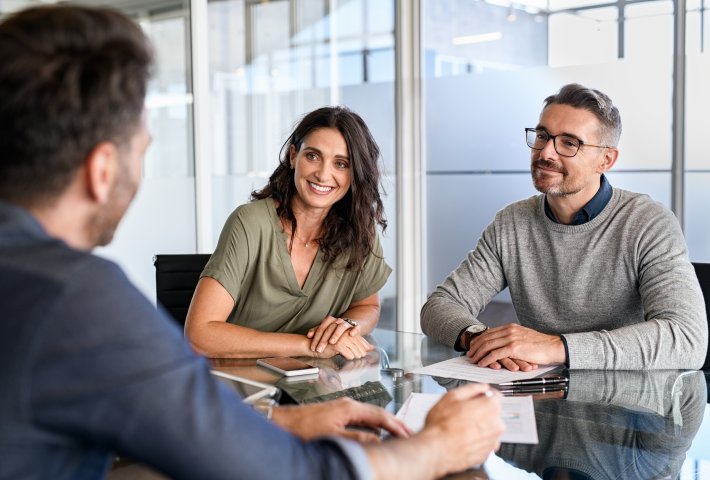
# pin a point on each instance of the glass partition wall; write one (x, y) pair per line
(697, 106)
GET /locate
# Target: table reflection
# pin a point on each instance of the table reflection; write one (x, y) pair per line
(635, 425)
(611, 425)
(358, 379)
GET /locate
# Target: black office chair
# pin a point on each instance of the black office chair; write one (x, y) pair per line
(702, 270)
(176, 277)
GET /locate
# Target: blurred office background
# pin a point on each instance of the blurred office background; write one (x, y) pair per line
(447, 87)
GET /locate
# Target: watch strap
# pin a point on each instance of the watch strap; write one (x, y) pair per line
(469, 336)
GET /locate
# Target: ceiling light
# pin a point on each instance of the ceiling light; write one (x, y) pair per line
(480, 38)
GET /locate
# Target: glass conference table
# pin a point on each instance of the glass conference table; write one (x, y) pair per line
(611, 425)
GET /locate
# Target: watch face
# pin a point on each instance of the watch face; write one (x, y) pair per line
(478, 328)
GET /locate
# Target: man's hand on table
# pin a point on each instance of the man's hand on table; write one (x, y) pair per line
(461, 430)
(333, 418)
(515, 348)
(468, 420)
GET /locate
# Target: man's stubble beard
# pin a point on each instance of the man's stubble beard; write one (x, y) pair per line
(105, 221)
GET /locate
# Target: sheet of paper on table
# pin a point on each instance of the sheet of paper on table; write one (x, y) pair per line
(518, 415)
(462, 368)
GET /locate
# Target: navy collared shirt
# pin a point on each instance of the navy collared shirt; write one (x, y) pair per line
(593, 207)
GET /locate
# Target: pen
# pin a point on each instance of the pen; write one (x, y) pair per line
(553, 379)
(525, 391)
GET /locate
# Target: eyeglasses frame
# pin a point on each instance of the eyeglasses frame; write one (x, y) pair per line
(554, 142)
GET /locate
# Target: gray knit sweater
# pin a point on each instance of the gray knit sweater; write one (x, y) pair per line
(620, 288)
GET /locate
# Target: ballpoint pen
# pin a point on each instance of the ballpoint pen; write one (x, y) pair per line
(550, 380)
(535, 390)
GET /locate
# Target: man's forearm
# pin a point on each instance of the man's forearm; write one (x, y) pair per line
(443, 320)
(414, 459)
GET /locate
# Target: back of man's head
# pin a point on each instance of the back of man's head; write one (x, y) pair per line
(70, 78)
(595, 101)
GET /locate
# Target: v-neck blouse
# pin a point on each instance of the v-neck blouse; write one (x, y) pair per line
(252, 263)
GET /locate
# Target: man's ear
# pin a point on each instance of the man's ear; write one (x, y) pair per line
(609, 159)
(101, 169)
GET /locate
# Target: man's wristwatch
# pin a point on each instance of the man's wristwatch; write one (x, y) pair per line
(472, 332)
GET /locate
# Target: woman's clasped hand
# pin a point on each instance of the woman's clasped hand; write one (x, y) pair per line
(339, 336)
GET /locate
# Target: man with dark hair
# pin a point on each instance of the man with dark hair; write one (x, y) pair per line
(599, 277)
(89, 367)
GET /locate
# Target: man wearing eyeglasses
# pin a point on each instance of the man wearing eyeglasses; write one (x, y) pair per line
(599, 276)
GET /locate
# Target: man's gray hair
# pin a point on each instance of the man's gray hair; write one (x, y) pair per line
(594, 101)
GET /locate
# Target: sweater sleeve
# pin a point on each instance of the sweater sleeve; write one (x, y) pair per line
(457, 302)
(674, 334)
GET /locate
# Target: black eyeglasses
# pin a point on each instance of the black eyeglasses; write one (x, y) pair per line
(565, 145)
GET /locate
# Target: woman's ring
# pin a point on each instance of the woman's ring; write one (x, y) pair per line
(350, 322)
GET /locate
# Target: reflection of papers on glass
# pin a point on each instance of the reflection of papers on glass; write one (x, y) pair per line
(519, 418)
(462, 368)
(517, 413)
(497, 468)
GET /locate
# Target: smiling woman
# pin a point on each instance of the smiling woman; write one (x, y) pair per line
(322, 177)
(297, 271)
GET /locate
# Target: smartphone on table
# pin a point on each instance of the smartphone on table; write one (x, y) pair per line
(287, 366)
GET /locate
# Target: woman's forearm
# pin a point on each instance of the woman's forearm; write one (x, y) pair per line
(225, 340)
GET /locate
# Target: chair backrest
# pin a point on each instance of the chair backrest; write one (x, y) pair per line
(176, 277)
(702, 270)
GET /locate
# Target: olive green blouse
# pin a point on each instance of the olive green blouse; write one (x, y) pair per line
(253, 264)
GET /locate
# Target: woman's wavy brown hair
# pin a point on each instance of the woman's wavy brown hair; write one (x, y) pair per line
(350, 224)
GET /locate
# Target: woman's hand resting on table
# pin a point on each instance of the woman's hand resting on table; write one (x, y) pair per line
(350, 348)
(336, 336)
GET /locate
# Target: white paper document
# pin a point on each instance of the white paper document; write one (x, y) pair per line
(518, 415)
(462, 368)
